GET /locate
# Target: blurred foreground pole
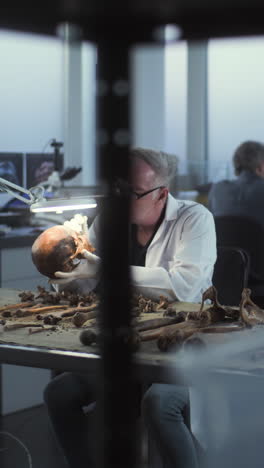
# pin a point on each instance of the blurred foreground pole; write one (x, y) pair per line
(116, 395)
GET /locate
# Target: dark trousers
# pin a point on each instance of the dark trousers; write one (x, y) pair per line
(65, 396)
(166, 412)
(165, 409)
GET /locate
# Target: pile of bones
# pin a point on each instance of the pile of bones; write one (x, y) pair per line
(171, 328)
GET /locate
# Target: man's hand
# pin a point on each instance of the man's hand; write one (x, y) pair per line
(87, 268)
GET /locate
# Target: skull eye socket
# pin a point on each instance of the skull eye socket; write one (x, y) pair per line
(72, 246)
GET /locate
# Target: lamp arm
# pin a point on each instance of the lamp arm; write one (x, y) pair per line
(13, 189)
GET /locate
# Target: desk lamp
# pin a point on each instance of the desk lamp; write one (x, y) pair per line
(38, 203)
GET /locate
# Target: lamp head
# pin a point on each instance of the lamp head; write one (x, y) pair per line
(38, 203)
(58, 205)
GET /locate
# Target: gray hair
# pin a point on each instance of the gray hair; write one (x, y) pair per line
(248, 156)
(163, 164)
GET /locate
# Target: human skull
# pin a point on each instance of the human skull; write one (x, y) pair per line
(58, 249)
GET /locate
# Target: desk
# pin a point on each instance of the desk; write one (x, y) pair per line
(234, 365)
(63, 350)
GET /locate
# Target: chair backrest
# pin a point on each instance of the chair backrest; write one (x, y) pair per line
(230, 274)
(245, 233)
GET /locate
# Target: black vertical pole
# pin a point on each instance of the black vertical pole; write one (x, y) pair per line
(56, 145)
(116, 395)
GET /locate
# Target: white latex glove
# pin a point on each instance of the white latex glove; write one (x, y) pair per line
(79, 224)
(87, 268)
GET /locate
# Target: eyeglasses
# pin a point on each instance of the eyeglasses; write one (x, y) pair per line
(141, 195)
(122, 187)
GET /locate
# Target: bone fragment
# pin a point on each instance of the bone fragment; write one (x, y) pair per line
(81, 317)
(51, 319)
(15, 326)
(250, 313)
(163, 304)
(32, 331)
(216, 312)
(89, 323)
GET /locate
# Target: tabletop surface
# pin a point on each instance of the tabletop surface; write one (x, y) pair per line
(239, 351)
(16, 345)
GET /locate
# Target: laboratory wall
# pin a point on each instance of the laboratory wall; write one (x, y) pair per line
(235, 99)
(31, 91)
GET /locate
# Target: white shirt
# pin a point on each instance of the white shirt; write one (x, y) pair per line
(181, 257)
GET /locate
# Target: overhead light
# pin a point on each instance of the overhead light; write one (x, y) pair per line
(63, 204)
(38, 203)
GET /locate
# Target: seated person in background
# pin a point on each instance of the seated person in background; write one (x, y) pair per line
(243, 196)
(173, 251)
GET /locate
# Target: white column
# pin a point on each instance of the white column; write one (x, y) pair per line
(148, 103)
(88, 114)
(79, 144)
(73, 103)
(197, 150)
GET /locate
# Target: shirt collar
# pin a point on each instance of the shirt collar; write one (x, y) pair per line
(248, 176)
(172, 208)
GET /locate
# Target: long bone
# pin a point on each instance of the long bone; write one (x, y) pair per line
(17, 305)
(36, 310)
(178, 336)
(15, 326)
(32, 331)
(151, 324)
(80, 317)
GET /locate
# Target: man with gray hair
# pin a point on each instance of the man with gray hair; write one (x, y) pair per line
(173, 245)
(173, 251)
(244, 195)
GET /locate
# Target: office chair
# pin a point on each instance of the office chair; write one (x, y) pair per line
(248, 234)
(230, 274)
